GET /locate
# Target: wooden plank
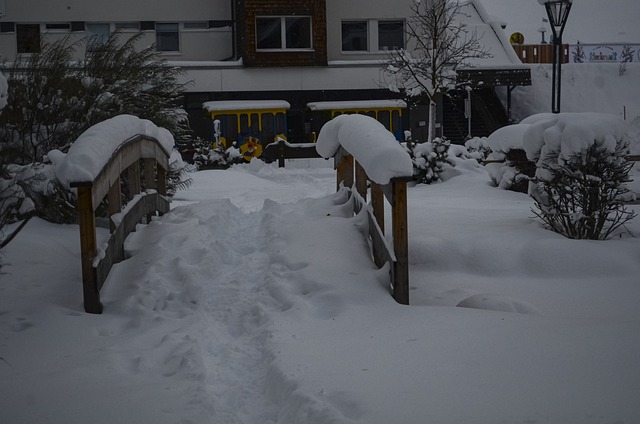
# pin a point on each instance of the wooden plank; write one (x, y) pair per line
(133, 179)
(400, 243)
(381, 249)
(361, 181)
(88, 250)
(114, 252)
(114, 201)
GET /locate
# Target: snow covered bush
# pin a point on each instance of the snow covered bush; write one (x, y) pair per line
(54, 98)
(582, 170)
(217, 157)
(505, 158)
(429, 160)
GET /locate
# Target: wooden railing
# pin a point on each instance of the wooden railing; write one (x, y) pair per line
(281, 150)
(96, 265)
(353, 176)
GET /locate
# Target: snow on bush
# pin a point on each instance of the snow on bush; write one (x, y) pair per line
(370, 143)
(579, 185)
(509, 168)
(429, 160)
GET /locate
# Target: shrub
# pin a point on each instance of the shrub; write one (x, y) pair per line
(429, 160)
(583, 197)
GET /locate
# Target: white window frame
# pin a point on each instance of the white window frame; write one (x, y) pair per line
(283, 34)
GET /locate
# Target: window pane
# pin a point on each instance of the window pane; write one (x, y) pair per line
(255, 124)
(28, 38)
(390, 35)
(298, 33)
(281, 127)
(385, 118)
(230, 128)
(244, 124)
(354, 36)
(167, 38)
(396, 122)
(268, 33)
(128, 26)
(268, 131)
(97, 35)
(58, 26)
(196, 25)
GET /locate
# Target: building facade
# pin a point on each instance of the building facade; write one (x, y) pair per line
(299, 51)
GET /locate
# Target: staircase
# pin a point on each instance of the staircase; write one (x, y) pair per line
(487, 114)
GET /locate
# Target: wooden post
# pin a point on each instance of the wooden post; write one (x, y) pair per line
(400, 243)
(345, 172)
(280, 154)
(133, 178)
(150, 178)
(377, 203)
(361, 181)
(88, 250)
(162, 181)
(149, 174)
(114, 200)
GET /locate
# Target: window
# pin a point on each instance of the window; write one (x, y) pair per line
(372, 35)
(167, 38)
(28, 38)
(196, 25)
(283, 33)
(97, 35)
(127, 26)
(390, 35)
(58, 27)
(355, 36)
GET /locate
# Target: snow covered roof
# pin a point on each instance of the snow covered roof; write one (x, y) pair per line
(357, 104)
(222, 105)
(492, 37)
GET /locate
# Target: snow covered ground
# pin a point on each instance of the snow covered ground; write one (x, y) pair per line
(255, 301)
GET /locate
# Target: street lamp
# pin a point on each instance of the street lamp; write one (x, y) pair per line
(558, 12)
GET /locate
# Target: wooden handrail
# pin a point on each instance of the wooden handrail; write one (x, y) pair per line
(107, 184)
(353, 177)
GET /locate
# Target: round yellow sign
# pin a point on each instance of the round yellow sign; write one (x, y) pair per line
(517, 38)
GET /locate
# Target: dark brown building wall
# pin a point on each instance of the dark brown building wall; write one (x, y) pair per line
(246, 12)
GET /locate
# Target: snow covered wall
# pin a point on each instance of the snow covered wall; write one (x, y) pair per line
(370, 143)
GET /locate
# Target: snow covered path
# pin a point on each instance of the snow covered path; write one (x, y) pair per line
(255, 301)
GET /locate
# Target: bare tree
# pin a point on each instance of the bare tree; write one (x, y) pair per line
(438, 43)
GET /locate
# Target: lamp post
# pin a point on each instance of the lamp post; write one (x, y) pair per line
(558, 12)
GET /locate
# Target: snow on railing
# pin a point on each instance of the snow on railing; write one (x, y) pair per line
(370, 143)
(365, 153)
(94, 166)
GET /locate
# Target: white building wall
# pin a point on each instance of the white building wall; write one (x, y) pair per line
(116, 10)
(195, 45)
(355, 10)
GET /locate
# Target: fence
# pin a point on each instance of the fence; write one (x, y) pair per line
(349, 172)
(539, 53)
(126, 158)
